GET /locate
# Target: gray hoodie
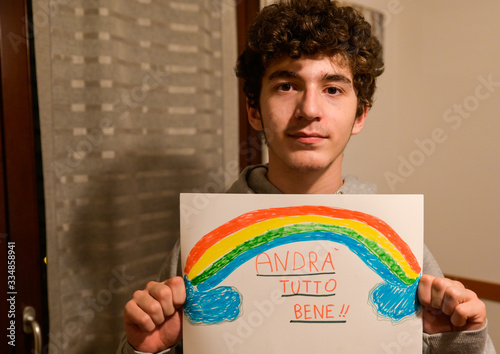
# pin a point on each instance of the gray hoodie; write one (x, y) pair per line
(253, 179)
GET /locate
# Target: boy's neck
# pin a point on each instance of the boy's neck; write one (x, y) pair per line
(297, 182)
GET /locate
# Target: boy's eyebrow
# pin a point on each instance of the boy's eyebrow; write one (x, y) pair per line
(285, 74)
(337, 77)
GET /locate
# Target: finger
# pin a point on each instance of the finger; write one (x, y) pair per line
(441, 288)
(134, 315)
(424, 290)
(178, 289)
(471, 311)
(170, 294)
(438, 288)
(149, 304)
(455, 295)
(163, 294)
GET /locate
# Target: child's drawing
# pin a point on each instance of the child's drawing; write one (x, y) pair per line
(263, 237)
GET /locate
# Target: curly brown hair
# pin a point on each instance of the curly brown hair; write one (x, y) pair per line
(308, 27)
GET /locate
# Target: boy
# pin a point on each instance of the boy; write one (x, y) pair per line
(309, 72)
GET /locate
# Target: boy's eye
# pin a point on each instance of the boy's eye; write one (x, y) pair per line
(285, 87)
(332, 90)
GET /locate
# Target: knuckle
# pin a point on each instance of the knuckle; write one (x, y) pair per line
(138, 294)
(440, 283)
(460, 311)
(151, 284)
(165, 292)
(472, 295)
(154, 307)
(457, 284)
(453, 293)
(426, 278)
(128, 306)
(145, 322)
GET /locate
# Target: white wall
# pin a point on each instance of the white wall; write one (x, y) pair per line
(438, 56)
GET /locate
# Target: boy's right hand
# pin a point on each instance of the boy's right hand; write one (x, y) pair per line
(153, 318)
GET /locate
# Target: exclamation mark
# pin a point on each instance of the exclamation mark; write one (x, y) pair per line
(342, 313)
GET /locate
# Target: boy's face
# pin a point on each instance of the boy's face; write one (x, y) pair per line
(308, 113)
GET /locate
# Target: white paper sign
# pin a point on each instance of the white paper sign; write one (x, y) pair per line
(301, 273)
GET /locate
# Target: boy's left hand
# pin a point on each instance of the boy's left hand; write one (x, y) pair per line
(448, 306)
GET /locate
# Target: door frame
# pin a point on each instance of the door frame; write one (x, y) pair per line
(21, 182)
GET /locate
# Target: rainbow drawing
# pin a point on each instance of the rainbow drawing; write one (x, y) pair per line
(220, 252)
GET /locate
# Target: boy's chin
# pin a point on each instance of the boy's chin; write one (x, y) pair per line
(309, 166)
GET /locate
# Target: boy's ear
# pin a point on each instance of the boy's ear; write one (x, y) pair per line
(254, 117)
(360, 120)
